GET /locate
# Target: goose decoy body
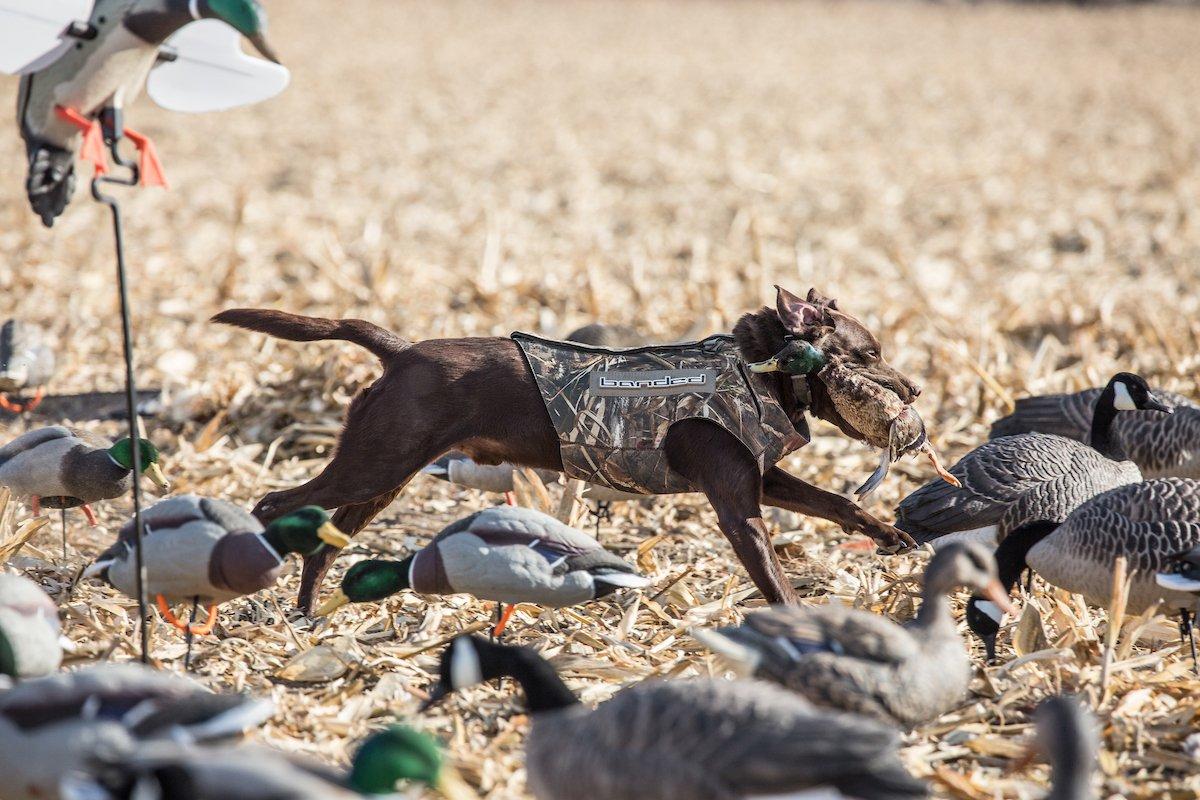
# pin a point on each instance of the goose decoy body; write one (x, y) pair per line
(26, 363)
(862, 662)
(1149, 523)
(1162, 447)
(157, 770)
(101, 62)
(508, 554)
(210, 551)
(29, 629)
(1031, 477)
(60, 467)
(700, 739)
(1065, 735)
(56, 726)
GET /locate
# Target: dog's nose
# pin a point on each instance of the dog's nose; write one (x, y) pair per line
(915, 390)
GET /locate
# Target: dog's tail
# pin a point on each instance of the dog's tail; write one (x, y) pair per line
(297, 328)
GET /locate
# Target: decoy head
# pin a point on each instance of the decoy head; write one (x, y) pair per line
(247, 17)
(304, 532)
(797, 357)
(403, 754)
(369, 581)
(969, 565)
(1132, 393)
(1066, 737)
(148, 459)
(983, 619)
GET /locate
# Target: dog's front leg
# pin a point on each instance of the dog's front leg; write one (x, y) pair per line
(783, 490)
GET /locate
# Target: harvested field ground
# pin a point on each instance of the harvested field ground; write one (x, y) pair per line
(1006, 194)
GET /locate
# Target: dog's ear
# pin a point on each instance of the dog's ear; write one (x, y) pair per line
(818, 299)
(800, 317)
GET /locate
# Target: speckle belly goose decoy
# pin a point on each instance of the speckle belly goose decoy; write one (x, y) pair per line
(159, 770)
(862, 662)
(1031, 477)
(1162, 447)
(1149, 523)
(209, 551)
(26, 364)
(695, 739)
(507, 554)
(29, 629)
(54, 727)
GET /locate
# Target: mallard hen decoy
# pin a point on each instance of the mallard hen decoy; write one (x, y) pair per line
(210, 551)
(1149, 523)
(507, 554)
(857, 661)
(1162, 447)
(54, 727)
(1032, 477)
(160, 770)
(697, 739)
(26, 363)
(29, 629)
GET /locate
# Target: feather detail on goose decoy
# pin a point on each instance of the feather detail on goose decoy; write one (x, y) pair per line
(26, 363)
(507, 554)
(862, 662)
(697, 739)
(54, 727)
(1161, 446)
(30, 630)
(1015, 480)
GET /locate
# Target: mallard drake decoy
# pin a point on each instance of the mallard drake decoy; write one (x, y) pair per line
(1162, 447)
(701, 739)
(857, 661)
(507, 554)
(251, 772)
(54, 727)
(71, 76)
(210, 551)
(26, 363)
(1149, 523)
(29, 629)
(1065, 735)
(60, 467)
(1031, 477)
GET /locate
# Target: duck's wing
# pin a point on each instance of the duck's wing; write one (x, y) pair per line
(31, 440)
(31, 31)
(210, 72)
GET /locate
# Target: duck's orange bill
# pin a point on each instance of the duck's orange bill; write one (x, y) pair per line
(210, 621)
(15, 407)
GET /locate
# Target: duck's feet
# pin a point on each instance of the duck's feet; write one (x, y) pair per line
(204, 629)
(35, 503)
(150, 169)
(93, 138)
(503, 615)
(91, 516)
(510, 498)
(19, 407)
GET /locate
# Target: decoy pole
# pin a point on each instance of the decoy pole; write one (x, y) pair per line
(112, 127)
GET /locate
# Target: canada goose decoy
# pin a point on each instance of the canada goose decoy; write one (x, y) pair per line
(1149, 523)
(697, 739)
(59, 467)
(1162, 447)
(1065, 735)
(159, 770)
(507, 554)
(857, 661)
(26, 363)
(81, 60)
(29, 629)
(1030, 477)
(201, 550)
(56, 726)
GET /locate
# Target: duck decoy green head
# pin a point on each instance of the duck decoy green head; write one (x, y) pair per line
(247, 17)
(369, 581)
(148, 457)
(304, 532)
(400, 754)
(797, 357)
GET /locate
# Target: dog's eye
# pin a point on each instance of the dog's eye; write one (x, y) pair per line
(871, 355)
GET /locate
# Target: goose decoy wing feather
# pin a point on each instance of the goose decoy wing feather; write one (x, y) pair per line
(1161, 445)
(1070, 415)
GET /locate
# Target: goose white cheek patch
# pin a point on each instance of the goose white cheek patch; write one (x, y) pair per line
(1123, 400)
(464, 666)
(1178, 583)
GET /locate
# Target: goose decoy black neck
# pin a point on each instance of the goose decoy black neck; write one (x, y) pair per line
(1124, 392)
(1067, 738)
(471, 660)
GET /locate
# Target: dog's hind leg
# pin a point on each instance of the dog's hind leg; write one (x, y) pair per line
(350, 520)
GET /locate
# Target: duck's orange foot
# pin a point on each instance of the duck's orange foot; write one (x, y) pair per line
(505, 616)
(91, 516)
(93, 139)
(18, 407)
(150, 169)
(204, 629)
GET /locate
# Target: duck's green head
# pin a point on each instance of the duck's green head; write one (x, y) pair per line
(797, 357)
(247, 17)
(402, 754)
(304, 532)
(369, 581)
(148, 460)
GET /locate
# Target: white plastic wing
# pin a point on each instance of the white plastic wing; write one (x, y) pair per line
(211, 72)
(31, 31)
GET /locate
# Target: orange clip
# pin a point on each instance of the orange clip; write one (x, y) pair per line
(16, 407)
(93, 140)
(197, 630)
(150, 169)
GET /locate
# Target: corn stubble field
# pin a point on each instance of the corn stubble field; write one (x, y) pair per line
(1005, 194)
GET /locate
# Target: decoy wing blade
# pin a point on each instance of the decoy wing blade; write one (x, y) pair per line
(31, 32)
(211, 72)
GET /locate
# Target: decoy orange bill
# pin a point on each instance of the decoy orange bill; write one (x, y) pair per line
(335, 601)
(996, 592)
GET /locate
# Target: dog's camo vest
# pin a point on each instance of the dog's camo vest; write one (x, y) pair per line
(612, 408)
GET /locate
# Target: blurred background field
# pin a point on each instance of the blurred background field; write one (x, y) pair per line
(1006, 194)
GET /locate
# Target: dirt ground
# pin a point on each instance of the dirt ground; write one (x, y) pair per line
(1005, 194)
